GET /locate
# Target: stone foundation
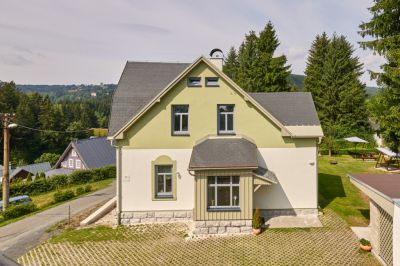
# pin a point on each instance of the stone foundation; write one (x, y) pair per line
(138, 217)
(222, 227)
(267, 214)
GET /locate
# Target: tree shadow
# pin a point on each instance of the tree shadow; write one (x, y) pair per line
(329, 188)
(364, 213)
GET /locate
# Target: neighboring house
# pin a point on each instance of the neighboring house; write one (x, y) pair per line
(86, 154)
(383, 191)
(192, 144)
(22, 172)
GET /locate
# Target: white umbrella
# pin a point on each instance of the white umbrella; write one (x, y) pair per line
(355, 140)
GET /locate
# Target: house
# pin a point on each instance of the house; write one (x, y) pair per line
(383, 191)
(85, 154)
(192, 145)
(22, 172)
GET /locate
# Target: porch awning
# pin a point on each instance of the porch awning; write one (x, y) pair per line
(224, 153)
(263, 176)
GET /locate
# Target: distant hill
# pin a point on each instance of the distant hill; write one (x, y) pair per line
(71, 92)
(298, 81)
(80, 92)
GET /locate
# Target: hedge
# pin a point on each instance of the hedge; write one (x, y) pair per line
(347, 151)
(56, 182)
(15, 211)
(61, 196)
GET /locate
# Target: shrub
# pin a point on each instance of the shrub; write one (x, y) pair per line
(365, 242)
(52, 158)
(80, 191)
(88, 188)
(61, 196)
(16, 211)
(42, 185)
(29, 178)
(257, 220)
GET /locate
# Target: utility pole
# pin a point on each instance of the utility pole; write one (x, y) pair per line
(6, 119)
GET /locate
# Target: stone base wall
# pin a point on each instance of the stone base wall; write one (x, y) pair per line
(267, 214)
(222, 227)
(128, 218)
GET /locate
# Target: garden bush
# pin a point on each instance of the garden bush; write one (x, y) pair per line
(88, 188)
(61, 196)
(42, 185)
(80, 191)
(15, 211)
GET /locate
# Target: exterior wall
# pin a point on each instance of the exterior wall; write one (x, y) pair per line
(74, 158)
(296, 171)
(222, 227)
(374, 225)
(128, 218)
(136, 178)
(153, 129)
(201, 213)
(396, 235)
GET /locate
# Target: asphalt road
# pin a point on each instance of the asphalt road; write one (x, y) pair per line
(17, 238)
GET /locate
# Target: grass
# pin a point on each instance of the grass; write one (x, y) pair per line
(337, 193)
(45, 201)
(98, 233)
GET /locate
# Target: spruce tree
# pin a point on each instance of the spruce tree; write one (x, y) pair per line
(384, 28)
(271, 73)
(333, 78)
(231, 64)
(256, 68)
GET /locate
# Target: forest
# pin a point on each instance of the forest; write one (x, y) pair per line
(47, 126)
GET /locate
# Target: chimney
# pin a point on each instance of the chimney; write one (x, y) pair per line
(217, 58)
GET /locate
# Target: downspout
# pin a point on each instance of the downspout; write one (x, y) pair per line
(119, 183)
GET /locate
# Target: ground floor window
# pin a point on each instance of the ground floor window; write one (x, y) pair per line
(223, 192)
(163, 181)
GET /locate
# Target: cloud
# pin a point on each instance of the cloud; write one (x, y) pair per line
(145, 28)
(14, 60)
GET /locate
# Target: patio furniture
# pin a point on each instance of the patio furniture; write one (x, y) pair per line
(355, 140)
(387, 157)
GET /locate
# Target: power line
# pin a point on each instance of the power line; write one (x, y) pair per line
(54, 131)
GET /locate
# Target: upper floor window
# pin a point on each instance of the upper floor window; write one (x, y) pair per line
(194, 82)
(70, 163)
(73, 152)
(163, 181)
(78, 164)
(225, 118)
(212, 82)
(180, 119)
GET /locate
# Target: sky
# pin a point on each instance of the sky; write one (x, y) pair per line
(89, 41)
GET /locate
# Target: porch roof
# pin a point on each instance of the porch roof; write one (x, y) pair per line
(224, 153)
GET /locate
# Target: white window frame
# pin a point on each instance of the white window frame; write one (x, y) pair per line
(209, 80)
(226, 114)
(164, 177)
(78, 164)
(215, 185)
(71, 163)
(191, 80)
(73, 152)
(180, 115)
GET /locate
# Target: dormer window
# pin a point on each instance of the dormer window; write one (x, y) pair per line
(194, 82)
(212, 82)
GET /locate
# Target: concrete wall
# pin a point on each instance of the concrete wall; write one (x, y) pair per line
(295, 169)
(396, 235)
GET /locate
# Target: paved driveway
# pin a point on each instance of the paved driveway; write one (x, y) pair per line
(333, 244)
(18, 237)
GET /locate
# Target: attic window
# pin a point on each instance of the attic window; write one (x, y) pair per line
(194, 82)
(212, 82)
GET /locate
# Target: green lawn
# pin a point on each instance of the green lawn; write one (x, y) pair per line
(45, 201)
(337, 193)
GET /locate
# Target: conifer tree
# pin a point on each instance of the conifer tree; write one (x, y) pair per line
(246, 58)
(231, 64)
(384, 28)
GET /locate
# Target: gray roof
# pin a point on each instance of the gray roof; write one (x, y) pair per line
(217, 153)
(140, 82)
(290, 108)
(32, 168)
(95, 152)
(58, 171)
